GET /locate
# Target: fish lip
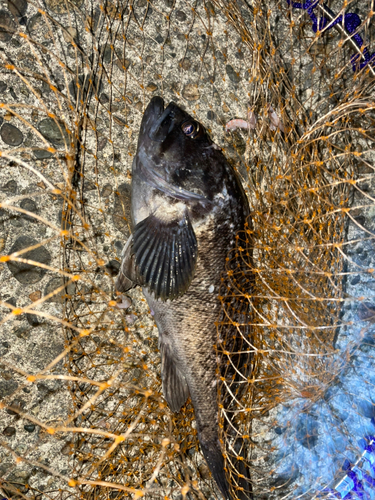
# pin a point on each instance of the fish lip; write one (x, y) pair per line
(160, 129)
(153, 112)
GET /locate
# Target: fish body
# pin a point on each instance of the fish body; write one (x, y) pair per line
(187, 206)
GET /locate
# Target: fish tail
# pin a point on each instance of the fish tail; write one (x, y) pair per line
(215, 460)
(236, 483)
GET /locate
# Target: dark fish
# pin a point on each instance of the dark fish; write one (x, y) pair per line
(187, 206)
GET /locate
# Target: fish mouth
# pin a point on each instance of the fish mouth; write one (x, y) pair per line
(156, 125)
(158, 122)
(153, 112)
(164, 124)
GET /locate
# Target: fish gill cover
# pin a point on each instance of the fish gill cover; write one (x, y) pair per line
(82, 411)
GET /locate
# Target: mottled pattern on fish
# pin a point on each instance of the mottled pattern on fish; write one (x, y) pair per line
(187, 206)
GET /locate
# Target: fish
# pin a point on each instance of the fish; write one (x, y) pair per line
(187, 204)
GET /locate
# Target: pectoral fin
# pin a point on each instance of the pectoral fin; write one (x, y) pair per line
(165, 250)
(175, 388)
(128, 276)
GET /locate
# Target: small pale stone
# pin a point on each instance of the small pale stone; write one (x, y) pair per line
(151, 87)
(130, 319)
(9, 431)
(34, 296)
(125, 302)
(119, 121)
(69, 34)
(190, 92)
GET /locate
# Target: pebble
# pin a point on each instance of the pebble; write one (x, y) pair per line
(130, 319)
(151, 87)
(67, 448)
(11, 135)
(12, 301)
(33, 319)
(366, 409)
(307, 431)
(9, 431)
(15, 406)
(30, 206)
(125, 302)
(7, 387)
(29, 427)
(366, 312)
(4, 348)
(17, 7)
(34, 296)
(113, 267)
(159, 38)
(69, 34)
(42, 154)
(3, 87)
(239, 55)
(89, 185)
(102, 143)
(355, 280)
(34, 22)
(103, 99)
(232, 74)
(51, 131)
(190, 92)
(61, 6)
(123, 64)
(121, 208)
(106, 53)
(180, 16)
(22, 332)
(55, 283)
(211, 8)
(86, 89)
(27, 273)
(120, 121)
(10, 187)
(106, 191)
(7, 26)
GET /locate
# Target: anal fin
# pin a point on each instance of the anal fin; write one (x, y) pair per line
(175, 388)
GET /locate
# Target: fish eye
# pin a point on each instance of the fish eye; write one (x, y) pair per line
(190, 129)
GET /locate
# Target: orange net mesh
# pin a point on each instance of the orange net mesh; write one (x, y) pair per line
(82, 411)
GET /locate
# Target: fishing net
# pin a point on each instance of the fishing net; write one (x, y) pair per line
(82, 411)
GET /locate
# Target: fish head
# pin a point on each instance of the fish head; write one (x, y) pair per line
(176, 155)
